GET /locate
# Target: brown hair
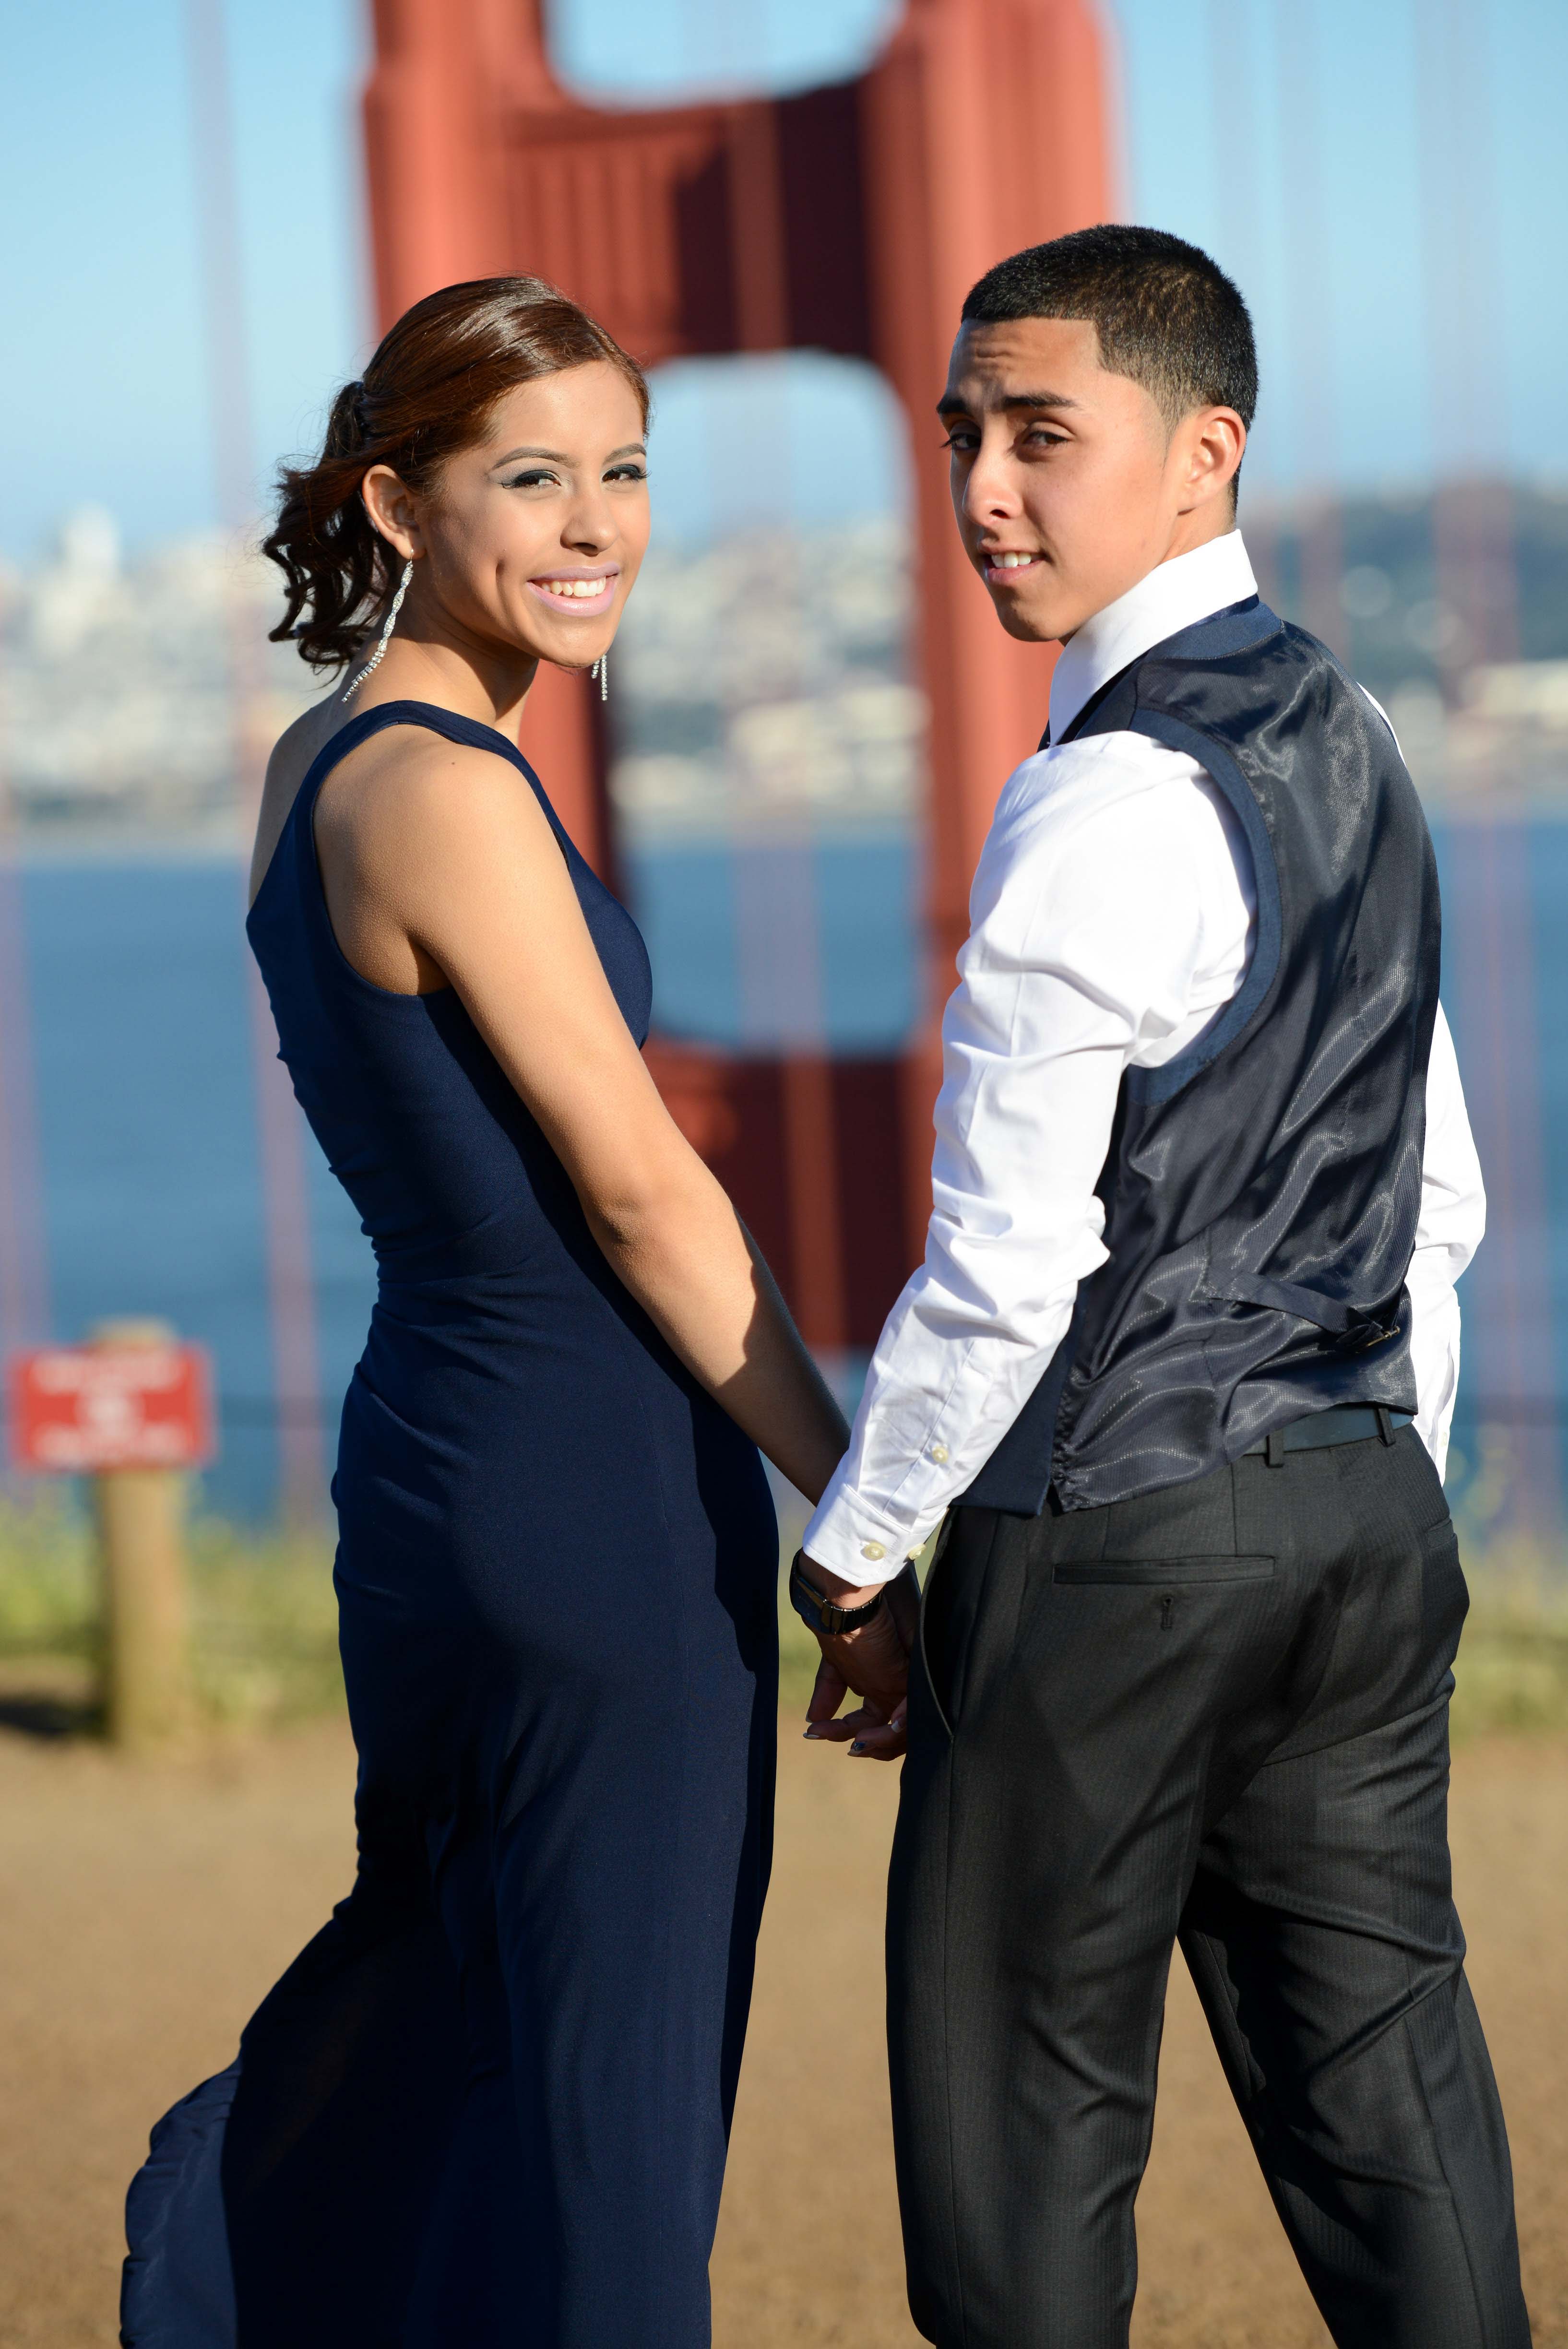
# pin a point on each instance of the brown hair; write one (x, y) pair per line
(429, 392)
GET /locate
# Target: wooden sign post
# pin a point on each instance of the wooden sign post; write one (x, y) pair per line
(132, 1409)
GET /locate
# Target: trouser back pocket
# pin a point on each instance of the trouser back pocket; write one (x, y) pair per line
(1163, 1573)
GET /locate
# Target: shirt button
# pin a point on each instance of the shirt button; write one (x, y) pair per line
(940, 1455)
(873, 1550)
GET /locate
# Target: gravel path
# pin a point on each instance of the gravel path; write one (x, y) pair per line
(144, 1909)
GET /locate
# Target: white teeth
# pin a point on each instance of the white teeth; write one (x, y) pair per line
(1010, 562)
(588, 587)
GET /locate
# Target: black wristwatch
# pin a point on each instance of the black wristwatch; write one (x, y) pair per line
(817, 1610)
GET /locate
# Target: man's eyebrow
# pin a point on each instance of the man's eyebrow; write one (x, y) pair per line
(951, 405)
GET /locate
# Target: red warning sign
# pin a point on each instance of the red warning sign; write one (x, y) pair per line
(76, 1409)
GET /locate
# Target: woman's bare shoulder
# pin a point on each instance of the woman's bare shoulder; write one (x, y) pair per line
(412, 794)
(293, 755)
(427, 849)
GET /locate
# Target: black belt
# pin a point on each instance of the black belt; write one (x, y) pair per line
(1343, 1423)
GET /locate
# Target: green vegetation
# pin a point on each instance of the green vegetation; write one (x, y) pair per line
(265, 1630)
(1512, 1668)
(264, 1624)
(48, 1593)
(263, 1620)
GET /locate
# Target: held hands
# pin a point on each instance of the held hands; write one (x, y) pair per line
(873, 1660)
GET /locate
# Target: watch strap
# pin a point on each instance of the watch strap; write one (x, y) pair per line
(817, 1612)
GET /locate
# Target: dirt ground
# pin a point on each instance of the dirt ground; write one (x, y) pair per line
(144, 1909)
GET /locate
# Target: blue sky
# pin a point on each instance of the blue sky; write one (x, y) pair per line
(1300, 166)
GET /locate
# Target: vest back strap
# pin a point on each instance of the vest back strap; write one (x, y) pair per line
(1346, 1423)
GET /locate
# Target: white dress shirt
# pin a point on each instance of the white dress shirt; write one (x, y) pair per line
(1112, 918)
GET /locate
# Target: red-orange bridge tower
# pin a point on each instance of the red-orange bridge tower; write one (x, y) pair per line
(849, 219)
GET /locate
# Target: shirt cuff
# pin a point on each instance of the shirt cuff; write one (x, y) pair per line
(861, 1545)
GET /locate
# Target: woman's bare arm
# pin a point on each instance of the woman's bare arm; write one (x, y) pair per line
(438, 861)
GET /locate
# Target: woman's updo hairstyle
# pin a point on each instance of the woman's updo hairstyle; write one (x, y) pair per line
(429, 392)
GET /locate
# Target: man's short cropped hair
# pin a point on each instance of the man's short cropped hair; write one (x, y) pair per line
(1165, 314)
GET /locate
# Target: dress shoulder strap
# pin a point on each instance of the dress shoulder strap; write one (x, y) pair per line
(447, 722)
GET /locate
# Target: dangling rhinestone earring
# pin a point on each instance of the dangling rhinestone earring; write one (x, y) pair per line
(601, 670)
(391, 621)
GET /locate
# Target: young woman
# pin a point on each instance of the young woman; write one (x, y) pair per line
(490, 2104)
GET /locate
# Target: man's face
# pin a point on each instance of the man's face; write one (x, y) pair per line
(1068, 484)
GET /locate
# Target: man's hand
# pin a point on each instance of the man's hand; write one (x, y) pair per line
(873, 1660)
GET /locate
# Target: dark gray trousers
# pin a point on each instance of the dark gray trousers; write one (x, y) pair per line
(1218, 1714)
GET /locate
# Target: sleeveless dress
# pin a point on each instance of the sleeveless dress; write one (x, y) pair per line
(490, 2103)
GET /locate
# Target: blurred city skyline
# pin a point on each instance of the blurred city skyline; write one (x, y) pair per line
(1346, 165)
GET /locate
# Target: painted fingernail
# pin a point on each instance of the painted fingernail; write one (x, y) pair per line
(811, 1731)
(857, 1747)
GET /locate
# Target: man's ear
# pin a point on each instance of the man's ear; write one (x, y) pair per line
(1216, 443)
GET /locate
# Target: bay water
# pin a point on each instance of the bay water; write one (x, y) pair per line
(145, 1087)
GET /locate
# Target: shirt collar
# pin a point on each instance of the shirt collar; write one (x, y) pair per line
(1172, 597)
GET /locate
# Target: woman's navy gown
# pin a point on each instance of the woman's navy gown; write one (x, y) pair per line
(490, 2103)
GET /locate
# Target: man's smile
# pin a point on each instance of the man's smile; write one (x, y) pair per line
(1005, 567)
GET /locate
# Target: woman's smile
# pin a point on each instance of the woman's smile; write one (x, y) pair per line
(583, 590)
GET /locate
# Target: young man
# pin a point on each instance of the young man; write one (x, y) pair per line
(1179, 1363)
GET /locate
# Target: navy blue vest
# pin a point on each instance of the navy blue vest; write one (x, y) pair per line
(1261, 1190)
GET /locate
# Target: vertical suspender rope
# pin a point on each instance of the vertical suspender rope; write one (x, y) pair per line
(285, 1198)
(1310, 320)
(1491, 908)
(24, 1261)
(1238, 184)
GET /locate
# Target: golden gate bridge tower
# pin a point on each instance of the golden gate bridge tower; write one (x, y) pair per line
(849, 219)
